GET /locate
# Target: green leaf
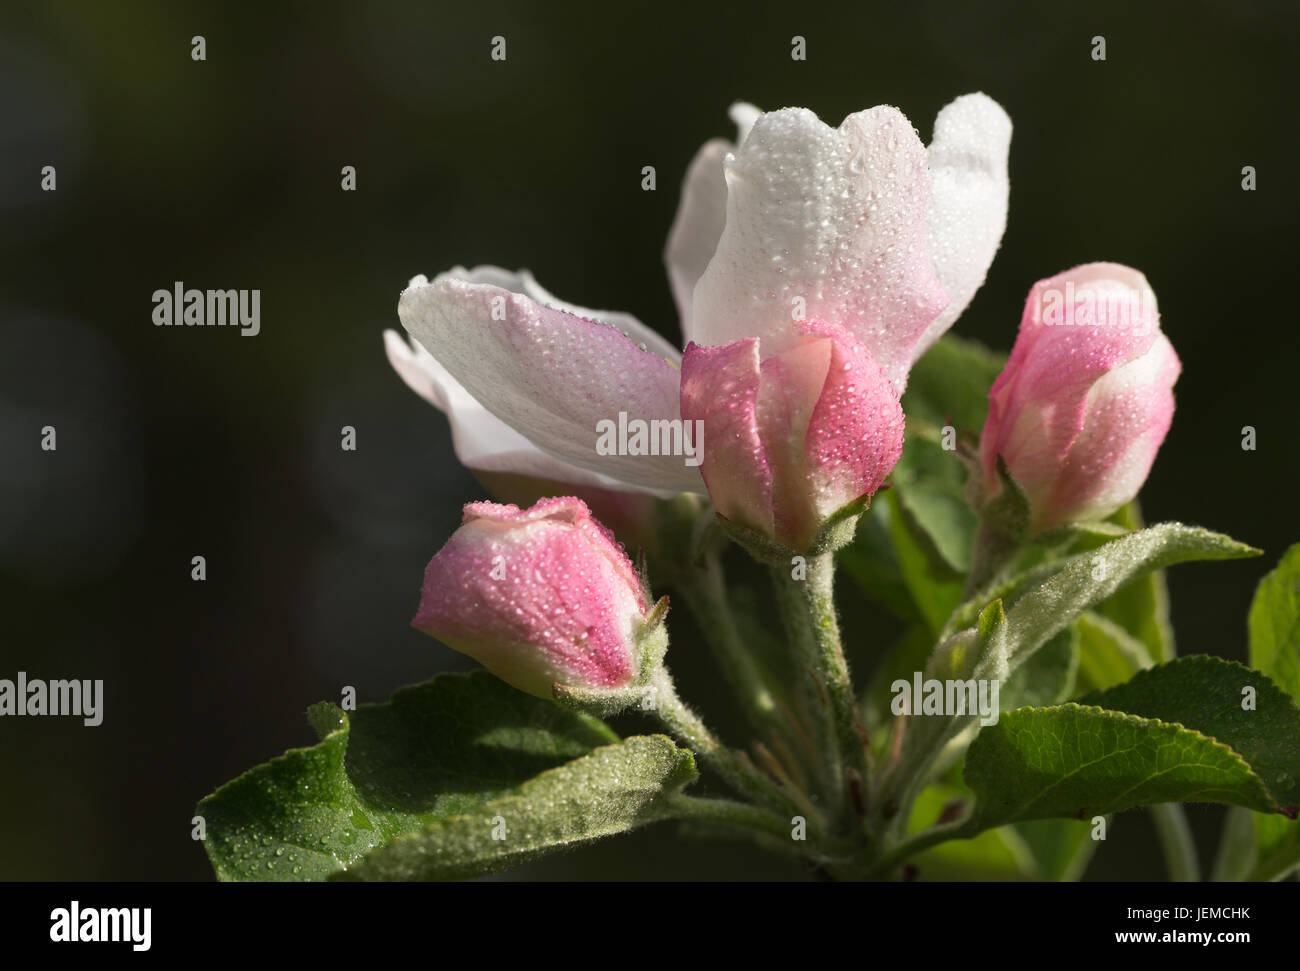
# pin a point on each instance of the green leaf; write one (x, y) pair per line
(1174, 733)
(1081, 581)
(436, 750)
(609, 791)
(1257, 847)
(870, 562)
(949, 385)
(1142, 606)
(931, 481)
(1076, 762)
(934, 585)
(1090, 578)
(1048, 677)
(1275, 624)
(1055, 850)
(1108, 654)
(951, 382)
(944, 514)
(1278, 847)
(1225, 701)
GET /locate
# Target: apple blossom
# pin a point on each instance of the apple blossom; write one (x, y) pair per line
(1086, 398)
(542, 597)
(798, 432)
(858, 227)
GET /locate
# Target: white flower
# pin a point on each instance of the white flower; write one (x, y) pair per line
(861, 226)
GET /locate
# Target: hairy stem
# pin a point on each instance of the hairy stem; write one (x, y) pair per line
(844, 748)
(812, 696)
(730, 813)
(900, 852)
(739, 773)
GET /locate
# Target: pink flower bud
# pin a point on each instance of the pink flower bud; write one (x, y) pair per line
(539, 596)
(794, 430)
(1086, 399)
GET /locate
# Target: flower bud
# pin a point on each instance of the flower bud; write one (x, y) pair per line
(1084, 402)
(794, 430)
(545, 599)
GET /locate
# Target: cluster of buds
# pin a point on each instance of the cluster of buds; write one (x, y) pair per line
(812, 266)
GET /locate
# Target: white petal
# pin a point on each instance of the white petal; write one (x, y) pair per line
(524, 282)
(694, 235)
(550, 375)
(701, 215)
(968, 200)
(835, 218)
(743, 115)
(481, 439)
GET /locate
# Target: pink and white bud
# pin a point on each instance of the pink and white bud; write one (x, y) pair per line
(1084, 402)
(795, 428)
(540, 597)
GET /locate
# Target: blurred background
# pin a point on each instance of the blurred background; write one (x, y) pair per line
(176, 442)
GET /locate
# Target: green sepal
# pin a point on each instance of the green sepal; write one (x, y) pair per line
(651, 648)
(835, 532)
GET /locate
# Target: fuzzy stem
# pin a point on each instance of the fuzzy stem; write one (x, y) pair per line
(739, 773)
(818, 715)
(915, 844)
(833, 666)
(730, 813)
(825, 656)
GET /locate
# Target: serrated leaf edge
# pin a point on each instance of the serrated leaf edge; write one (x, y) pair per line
(1138, 719)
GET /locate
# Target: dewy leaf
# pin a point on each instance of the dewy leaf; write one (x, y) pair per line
(1089, 578)
(1275, 624)
(1226, 701)
(609, 791)
(435, 750)
(1142, 606)
(1077, 762)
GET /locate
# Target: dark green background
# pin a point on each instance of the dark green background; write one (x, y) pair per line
(176, 442)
